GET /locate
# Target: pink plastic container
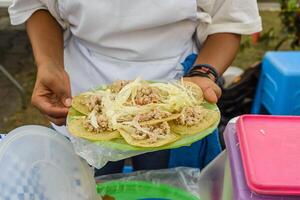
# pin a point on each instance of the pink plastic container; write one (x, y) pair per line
(270, 151)
(240, 188)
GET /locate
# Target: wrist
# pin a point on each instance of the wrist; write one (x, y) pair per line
(199, 78)
(209, 76)
(204, 70)
(50, 63)
(44, 61)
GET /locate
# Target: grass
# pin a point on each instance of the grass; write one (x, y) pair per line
(255, 52)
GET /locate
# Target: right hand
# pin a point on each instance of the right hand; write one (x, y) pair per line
(52, 93)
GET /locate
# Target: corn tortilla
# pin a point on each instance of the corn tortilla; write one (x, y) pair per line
(211, 116)
(76, 128)
(127, 131)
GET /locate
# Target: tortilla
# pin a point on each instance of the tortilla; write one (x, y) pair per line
(126, 133)
(210, 118)
(196, 91)
(79, 106)
(156, 121)
(76, 128)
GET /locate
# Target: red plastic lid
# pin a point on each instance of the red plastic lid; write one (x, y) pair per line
(270, 149)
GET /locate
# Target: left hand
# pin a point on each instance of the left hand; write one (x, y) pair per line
(211, 91)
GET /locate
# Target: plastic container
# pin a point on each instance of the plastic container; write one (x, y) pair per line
(241, 190)
(230, 74)
(270, 151)
(38, 163)
(278, 89)
(143, 191)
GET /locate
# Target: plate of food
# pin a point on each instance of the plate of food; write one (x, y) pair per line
(139, 115)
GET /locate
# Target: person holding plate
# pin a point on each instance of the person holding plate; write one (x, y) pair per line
(79, 45)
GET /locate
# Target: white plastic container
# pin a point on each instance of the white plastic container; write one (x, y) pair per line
(38, 163)
(230, 74)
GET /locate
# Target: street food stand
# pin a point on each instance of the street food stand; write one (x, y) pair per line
(36, 161)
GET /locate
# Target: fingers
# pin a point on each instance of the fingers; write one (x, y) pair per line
(63, 91)
(67, 102)
(217, 90)
(212, 93)
(52, 93)
(48, 108)
(54, 113)
(67, 99)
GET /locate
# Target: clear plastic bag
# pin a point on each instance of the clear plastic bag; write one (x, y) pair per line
(99, 153)
(214, 181)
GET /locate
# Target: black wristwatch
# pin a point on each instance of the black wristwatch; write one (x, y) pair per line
(204, 70)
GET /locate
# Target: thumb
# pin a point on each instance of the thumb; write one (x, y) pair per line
(63, 91)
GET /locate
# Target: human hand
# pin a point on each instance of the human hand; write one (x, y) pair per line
(52, 93)
(211, 91)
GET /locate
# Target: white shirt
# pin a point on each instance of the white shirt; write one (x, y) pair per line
(113, 39)
(121, 39)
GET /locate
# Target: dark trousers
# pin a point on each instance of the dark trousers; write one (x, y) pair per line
(147, 161)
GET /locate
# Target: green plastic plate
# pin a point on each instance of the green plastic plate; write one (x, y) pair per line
(139, 190)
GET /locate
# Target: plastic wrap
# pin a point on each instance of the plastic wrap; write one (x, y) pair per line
(99, 153)
(214, 181)
(182, 177)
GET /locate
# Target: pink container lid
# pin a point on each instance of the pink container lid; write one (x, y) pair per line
(270, 150)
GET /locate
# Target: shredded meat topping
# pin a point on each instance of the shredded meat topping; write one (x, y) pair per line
(87, 125)
(147, 95)
(118, 85)
(152, 132)
(155, 114)
(102, 123)
(191, 116)
(93, 102)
